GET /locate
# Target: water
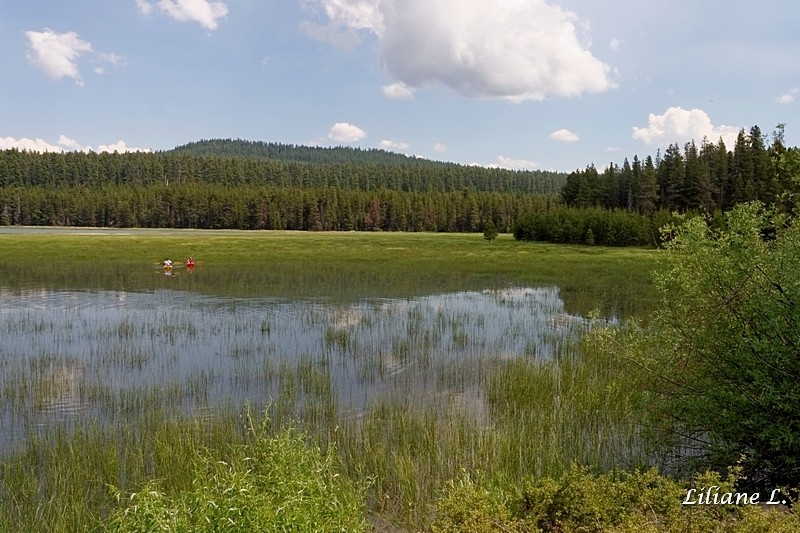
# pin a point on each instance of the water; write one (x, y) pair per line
(79, 355)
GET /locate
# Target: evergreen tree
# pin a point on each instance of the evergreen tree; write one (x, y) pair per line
(648, 190)
(670, 175)
(742, 171)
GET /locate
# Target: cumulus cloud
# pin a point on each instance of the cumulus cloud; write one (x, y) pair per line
(64, 144)
(70, 144)
(440, 147)
(680, 125)
(345, 19)
(395, 146)
(33, 145)
(508, 49)
(788, 97)
(398, 91)
(344, 132)
(207, 13)
(56, 54)
(564, 135)
(514, 164)
(121, 147)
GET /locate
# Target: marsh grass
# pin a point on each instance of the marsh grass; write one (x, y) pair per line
(402, 394)
(340, 265)
(503, 419)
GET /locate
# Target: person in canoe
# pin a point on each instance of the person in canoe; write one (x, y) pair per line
(190, 263)
(167, 264)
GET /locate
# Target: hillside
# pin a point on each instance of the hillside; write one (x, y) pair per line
(392, 169)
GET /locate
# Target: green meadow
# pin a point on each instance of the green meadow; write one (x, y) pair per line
(334, 264)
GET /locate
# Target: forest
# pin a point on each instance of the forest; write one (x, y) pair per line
(214, 206)
(239, 184)
(629, 205)
(704, 178)
(236, 163)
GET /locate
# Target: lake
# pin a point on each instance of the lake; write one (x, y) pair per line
(71, 355)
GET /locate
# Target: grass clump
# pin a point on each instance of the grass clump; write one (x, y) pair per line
(274, 483)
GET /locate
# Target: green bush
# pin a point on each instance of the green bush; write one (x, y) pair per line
(491, 232)
(723, 350)
(615, 502)
(586, 226)
(280, 483)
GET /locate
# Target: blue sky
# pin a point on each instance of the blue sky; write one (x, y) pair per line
(513, 83)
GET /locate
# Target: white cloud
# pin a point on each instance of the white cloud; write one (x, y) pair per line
(70, 144)
(65, 144)
(56, 54)
(614, 44)
(144, 6)
(110, 58)
(514, 164)
(207, 13)
(508, 49)
(346, 18)
(788, 97)
(34, 145)
(396, 146)
(351, 15)
(345, 132)
(679, 125)
(120, 147)
(564, 136)
(440, 147)
(398, 91)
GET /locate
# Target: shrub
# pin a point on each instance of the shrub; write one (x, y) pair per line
(730, 320)
(581, 501)
(281, 483)
(574, 226)
(490, 233)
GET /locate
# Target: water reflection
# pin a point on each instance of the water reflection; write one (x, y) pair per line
(67, 354)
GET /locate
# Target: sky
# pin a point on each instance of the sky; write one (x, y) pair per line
(519, 84)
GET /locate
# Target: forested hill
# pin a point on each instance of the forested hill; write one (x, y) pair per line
(387, 169)
(238, 163)
(226, 187)
(293, 152)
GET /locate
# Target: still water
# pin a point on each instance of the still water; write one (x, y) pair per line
(75, 355)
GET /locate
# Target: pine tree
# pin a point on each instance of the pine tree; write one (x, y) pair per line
(648, 189)
(670, 174)
(742, 171)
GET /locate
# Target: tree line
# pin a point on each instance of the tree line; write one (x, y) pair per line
(246, 185)
(80, 169)
(704, 178)
(216, 206)
(592, 226)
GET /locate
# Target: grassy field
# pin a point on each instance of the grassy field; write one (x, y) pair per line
(470, 252)
(610, 280)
